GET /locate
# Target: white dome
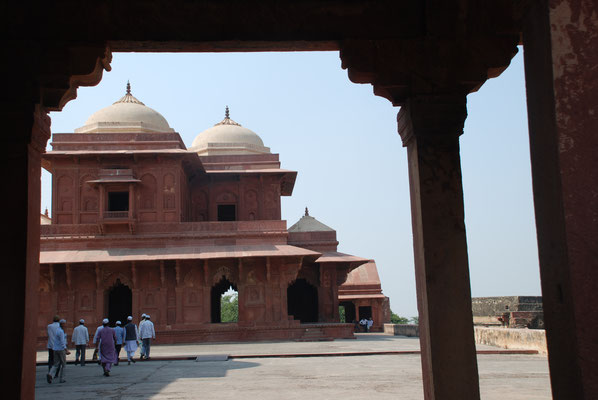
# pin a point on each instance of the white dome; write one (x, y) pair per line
(126, 115)
(228, 137)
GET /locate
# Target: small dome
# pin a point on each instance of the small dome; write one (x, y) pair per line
(228, 137)
(126, 115)
(308, 223)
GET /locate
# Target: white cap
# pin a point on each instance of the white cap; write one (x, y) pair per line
(62, 321)
(117, 322)
(143, 315)
(82, 321)
(129, 318)
(147, 316)
(105, 321)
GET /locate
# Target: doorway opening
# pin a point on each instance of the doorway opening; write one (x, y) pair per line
(365, 312)
(118, 201)
(119, 303)
(229, 306)
(302, 301)
(349, 309)
(218, 290)
(227, 212)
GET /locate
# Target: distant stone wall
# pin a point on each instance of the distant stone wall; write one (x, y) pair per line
(508, 311)
(509, 338)
(491, 306)
(402, 330)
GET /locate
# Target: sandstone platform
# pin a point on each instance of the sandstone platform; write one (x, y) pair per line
(371, 366)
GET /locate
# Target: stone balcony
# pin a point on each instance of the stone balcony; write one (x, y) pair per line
(64, 236)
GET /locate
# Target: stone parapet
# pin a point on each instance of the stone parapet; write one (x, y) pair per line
(402, 330)
(232, 332)
(191, 228)
(509, 338)
(495, 306)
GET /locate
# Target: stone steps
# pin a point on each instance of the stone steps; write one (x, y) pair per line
(314, 335)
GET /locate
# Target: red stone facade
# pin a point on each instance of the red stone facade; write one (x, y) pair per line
(143, 225)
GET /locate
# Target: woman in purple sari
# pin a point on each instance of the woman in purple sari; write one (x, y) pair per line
(107, 339)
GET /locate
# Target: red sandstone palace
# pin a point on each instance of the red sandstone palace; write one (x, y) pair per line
(141, 224)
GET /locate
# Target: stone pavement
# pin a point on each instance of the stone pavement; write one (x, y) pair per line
(283, 370)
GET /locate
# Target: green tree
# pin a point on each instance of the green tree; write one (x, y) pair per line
(395, 319)
(229, 308)
(415, 320)
(341, 313)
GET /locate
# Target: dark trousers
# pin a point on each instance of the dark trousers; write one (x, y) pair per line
(117, 347)
(50, 359)
(146, 346)
(80, 352)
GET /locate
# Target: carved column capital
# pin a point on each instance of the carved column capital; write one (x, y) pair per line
(432, 116)
(40, 133)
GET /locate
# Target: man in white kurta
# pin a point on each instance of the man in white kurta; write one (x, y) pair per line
(147, 333)
(141, 321)
(51, 329)
(80, 338)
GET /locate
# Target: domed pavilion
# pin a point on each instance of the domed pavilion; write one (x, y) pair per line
(142, 224)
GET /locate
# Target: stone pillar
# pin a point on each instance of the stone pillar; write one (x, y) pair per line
(30, 129)
(99, 294)
(206, 299)
(430, 127)
(131, 214)
(134, 292)
(560, 45)
(268, 293)
(102, 201)
(163, 302)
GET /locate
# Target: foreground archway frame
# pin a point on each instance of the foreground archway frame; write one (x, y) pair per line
(426, 55)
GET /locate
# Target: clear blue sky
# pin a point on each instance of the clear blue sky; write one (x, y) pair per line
(343, 141)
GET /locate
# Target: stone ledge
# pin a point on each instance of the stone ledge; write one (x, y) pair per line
(402, 330)
(510, 338)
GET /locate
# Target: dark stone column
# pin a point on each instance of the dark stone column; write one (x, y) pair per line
(29, 127)
(560, 45)
(430, 127)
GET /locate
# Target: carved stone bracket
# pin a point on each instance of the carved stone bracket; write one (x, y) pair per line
(399, 69)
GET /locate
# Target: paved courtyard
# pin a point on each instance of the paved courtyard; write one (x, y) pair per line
(292, 370)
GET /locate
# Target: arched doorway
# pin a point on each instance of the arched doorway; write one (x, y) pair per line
(216, 298)
(302, 301)
(119, 303)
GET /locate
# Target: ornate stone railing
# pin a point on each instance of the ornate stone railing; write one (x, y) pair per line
(115, 214)
(174, 228)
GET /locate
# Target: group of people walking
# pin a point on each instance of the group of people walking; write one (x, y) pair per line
(108, 341)
(366, 324)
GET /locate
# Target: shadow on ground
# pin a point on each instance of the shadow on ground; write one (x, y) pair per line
(140, 380)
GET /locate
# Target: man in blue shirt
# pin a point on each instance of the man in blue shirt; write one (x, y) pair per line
(120, 339)
(60, 352)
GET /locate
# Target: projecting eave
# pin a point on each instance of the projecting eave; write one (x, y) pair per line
(337, 257)
(173, 253)
(191, 161)
(287, 182)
